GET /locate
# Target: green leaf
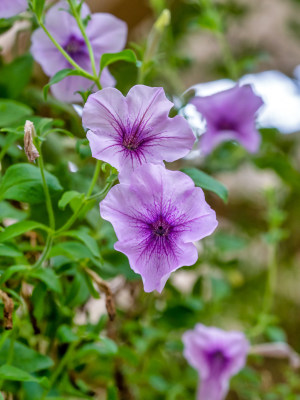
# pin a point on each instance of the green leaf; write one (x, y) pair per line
(12, 136)
(59, 76)
(12, 271)
(38, 6)
(13, 113)
(23, 182)
(48, 276)
(10, 373)
(77, 293)
(211, 20)
(109, 58)
(15, 76)
(9, 251)
(106, 347)
(73, 250)
(7, 210)
(67, 197)
(5, 24)
(66, 335)
(38, 298)
(19, 228)
(112, 393)
(25, 358)
(205, 181)
(227, 242)
(90, 285)
(84, 237)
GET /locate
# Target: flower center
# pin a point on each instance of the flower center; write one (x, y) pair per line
(75, 46)
(226, 125)
(160, 228)
(131, 143)
(218, 361)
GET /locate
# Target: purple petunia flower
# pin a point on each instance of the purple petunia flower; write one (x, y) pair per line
(107, 34)
(10, 8)
(156, 217)
(133, 130)
(217, 355)
(230, 115)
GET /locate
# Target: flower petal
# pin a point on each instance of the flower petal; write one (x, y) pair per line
(66, 89)
(107, 34)
(10, 8)
(155, 194)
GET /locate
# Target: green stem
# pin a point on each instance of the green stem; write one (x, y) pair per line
(45, 252)
(94, 179)
(229, 60)
(87, 41)
(259, 328)
(46, 191)
(228, 57)
(103, 192)
(58, 370)
(73, 218)
(271, 281)
(66, 55)
(153, 42)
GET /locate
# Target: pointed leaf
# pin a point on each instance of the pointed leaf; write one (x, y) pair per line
(109, 58)
(19, 228)
(205, 181)
(59, 76)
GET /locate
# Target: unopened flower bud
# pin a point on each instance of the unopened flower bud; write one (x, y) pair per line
(163, 20)
(29, 147)
(156, 34)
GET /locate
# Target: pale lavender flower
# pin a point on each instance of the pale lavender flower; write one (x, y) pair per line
(157, 217)
(133, 130)
(107, 34)
(217, 355)
(230, 115)
(10, 8)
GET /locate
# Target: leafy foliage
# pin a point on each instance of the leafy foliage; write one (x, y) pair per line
(63, 344)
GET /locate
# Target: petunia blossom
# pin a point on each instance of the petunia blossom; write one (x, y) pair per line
(217, 355)
(107, 34)
(136, 129)
(10, 8)
(230, 115)
(157, 217)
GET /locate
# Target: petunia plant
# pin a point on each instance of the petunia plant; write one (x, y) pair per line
(128, 269)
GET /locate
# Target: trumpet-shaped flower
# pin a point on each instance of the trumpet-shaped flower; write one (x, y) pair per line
(133, 130)
(10, 8)
(217, 355)
(157, 217)
(106, 33)
(230, 115)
